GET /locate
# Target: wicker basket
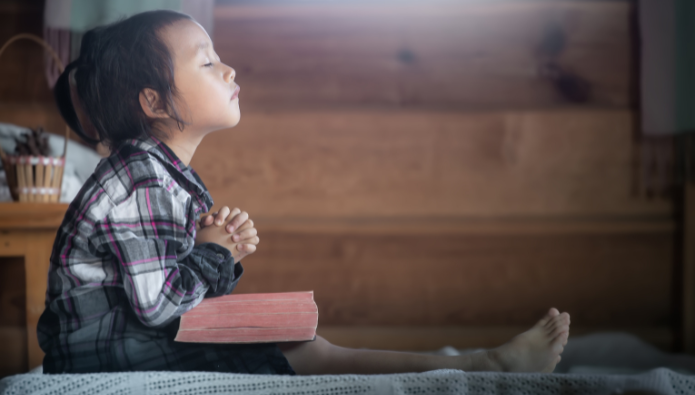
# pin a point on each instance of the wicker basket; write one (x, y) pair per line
(35, 178)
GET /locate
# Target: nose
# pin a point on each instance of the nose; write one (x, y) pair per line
(229, 74)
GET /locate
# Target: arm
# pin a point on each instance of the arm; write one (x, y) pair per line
(163, 274)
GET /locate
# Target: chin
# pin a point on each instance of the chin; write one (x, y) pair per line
(226, 125)
(235, 121)
(236, 116)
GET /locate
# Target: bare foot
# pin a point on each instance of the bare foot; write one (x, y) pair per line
(536, 350)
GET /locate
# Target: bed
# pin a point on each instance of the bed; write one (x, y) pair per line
(658, 381)
(608, 363)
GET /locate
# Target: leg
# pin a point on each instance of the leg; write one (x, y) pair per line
(322, 357)
(537, 349)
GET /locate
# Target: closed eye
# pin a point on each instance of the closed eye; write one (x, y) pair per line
(208, 65)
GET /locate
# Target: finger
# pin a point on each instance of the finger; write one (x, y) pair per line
(246, 225)
(207, 220)
(231, 227)
(234, 212)
(246, 248)
(237, 221)
(222, 215)
(246, 234)
(252, 240)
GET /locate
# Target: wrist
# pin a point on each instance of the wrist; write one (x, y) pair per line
(216, 249)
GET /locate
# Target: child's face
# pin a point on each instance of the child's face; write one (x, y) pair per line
(206, 94)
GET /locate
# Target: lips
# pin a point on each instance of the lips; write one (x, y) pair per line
(236, 93)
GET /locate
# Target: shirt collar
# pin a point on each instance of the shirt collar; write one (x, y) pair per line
(182, 174)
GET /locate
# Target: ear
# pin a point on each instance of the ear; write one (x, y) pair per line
(151, 104)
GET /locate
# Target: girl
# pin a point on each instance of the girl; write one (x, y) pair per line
(128, 259)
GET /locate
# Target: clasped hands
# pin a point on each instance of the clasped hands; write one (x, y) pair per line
(238, 234)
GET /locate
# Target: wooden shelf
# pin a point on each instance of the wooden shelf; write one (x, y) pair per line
(27, 231)
(27, 216)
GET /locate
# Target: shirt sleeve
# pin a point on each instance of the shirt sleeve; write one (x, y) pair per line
(151, 235)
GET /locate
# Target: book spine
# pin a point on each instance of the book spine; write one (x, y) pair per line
(241, 320)
(246, 335)
(252, 308)
(288, 296)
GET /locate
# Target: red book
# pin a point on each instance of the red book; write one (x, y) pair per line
(251, 318)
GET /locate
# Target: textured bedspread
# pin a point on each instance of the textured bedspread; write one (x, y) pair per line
(659, 381)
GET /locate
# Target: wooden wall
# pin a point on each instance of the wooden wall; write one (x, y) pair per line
(420, 168)
(416, 167)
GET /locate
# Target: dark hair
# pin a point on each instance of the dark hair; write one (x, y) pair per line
(116, 63)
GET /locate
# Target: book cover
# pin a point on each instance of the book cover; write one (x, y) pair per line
(251, 318)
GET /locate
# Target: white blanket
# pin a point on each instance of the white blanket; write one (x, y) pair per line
(658, 381)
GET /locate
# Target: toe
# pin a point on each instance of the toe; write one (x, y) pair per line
(560, 339)
(565, 317)
(547, 320)
(559, 322)
(560, 330)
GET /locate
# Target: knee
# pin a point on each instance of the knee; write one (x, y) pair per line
(321, 348)
(317, 349)
(312, 357)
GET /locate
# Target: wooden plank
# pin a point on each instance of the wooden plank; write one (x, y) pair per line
(32, 115)
(22, 65)
(446, 54)
(13, 333)
(36, 264)
(688, 297)
(12, 244)
(427, 165)
(423, 338)
(12, 291)
(463, 279)
(464, 55)
(13, 340)
(32, 215)
(464, 226)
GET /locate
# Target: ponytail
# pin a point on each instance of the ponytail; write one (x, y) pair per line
(66, 107)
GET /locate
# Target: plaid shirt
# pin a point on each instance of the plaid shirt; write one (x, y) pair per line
(125, 267)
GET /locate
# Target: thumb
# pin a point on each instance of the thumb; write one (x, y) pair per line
(207, 221)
